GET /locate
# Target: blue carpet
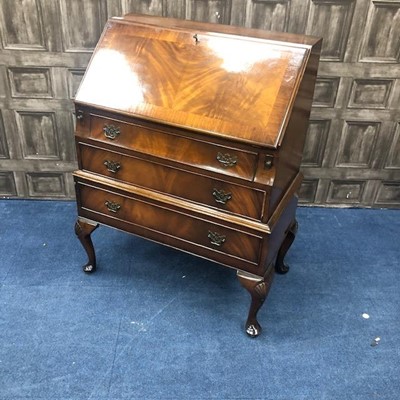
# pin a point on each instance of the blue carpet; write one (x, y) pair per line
(155, 323)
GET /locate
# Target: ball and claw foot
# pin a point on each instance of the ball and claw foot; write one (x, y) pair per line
(89, 268)
(280, 266)
(253, 330)
(258, 287)
(83, 230)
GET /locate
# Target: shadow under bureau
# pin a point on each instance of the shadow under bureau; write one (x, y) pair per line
(191, 135)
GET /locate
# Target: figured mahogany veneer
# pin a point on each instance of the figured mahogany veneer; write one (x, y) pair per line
(216, 193)
(196, 153)
(191, 135)
(195, 230)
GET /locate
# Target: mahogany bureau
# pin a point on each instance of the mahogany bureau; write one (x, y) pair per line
(191, 135)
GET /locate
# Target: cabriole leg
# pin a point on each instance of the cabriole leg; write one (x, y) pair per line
(258, 289)
(83, 230)
(280, 266)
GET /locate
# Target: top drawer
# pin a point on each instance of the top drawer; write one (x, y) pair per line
(208, 156)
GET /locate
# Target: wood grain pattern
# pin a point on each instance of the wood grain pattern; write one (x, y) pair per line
(308, 191)
(4, 153)
(325, 93)
(243, 201)
(39, 132)
(269, 15)
(22, 25)
(332, 21)
(88, 16)
(388, 194)
(381, 39)
(136, 173)
(346, 191)
(214, 11)
(230, 98)
(169, 223)
(158, 143)
(393, 158)
(30, 82)
(153, 7)
(204, 150)
(357, 143)
(370, 93)
(7, 184)
(314, 147)
(43, 184)
(74, 79)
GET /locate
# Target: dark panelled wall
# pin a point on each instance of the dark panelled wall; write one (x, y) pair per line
(352, 154)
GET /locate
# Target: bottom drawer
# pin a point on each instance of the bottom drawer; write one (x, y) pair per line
(156, 221)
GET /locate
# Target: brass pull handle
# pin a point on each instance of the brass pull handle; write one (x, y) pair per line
(112, 207)
(216, 239)
(221, 196)
(112, 166)
(111, 131)
(79, 115)
(268, 161)
(227, 160)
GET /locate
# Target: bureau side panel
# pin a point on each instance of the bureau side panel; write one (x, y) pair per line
(290, 151)
(274, 241)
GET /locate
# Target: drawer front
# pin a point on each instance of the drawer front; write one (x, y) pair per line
(156, 218)
(211, 192)
(211, 157)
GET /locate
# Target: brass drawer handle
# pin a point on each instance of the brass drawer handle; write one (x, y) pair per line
(220, 196)
(111, 131)
(79, 115)
(226, 159)
(216, 239)
(112, 166)
(269, 160)
(112, 207)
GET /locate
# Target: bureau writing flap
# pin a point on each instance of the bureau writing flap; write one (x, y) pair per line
(219, 83)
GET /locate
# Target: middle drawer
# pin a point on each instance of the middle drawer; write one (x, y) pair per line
(219, 194)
